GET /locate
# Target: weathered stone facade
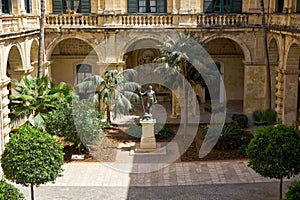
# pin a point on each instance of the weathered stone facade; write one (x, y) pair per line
(110, 38)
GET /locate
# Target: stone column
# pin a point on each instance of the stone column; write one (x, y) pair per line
(148, 138)
(290, 97)
(254, 88)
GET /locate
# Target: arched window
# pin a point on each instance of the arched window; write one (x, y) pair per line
(78, 6)
(83, 71)
(147, 6)
(223, 6)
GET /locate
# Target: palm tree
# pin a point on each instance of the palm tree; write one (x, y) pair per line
(41, 40)
(36, 97)
(115, 90)
(268, 71)
(176, 54)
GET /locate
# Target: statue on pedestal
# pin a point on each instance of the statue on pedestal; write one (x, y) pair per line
(151, 100)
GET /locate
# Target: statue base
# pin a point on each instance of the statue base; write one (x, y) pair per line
(148, 138)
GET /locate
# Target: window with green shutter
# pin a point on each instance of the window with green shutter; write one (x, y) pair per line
(79, 6)
(147, 6)
(280, 4)
(28, 6)
(298, 6)
(223, 6)
(6, 6)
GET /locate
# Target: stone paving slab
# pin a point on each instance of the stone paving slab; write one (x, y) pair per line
(183, 173)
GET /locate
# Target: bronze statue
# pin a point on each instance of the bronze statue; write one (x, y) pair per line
(151, 99)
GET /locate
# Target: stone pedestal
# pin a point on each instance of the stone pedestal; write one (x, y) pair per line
(148, 138)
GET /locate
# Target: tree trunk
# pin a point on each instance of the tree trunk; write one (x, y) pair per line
(31, 191)
(266, 51)
(185, 101)
(280, 188)
(108, 114)
(41, 40)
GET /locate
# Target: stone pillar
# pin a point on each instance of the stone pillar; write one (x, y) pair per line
(4, 110)
(185, 7)
(290, 97)
(148, 138)
(254, 88)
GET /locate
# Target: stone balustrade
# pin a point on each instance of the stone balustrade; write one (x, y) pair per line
(222, 20)
(14, 24)
(146, 20)
(284, 20)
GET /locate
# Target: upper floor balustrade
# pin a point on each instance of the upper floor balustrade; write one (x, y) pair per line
(290, 21)
(14, 24)
(150, 20)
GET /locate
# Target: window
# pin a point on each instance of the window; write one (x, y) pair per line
(6, 6)
(82, 72)
(223, 6)
(147, 6)
(298, 6)
(28, 6)
(65, 6)
(280, 4)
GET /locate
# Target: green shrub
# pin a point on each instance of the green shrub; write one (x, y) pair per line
(32, 157)
(9, 192)
(160, 131)
(240, 120)
(274, 152)
(231, 137)
(264, 117)
(78, 123)
(294, 191)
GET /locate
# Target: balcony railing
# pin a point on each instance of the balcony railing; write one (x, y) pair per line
(284, 20)
(15, 24)
(170, 20)
(146, 20)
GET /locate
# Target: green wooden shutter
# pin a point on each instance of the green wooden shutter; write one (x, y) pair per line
(236, 6)
(298, 6)
(85, 6)
(57, 6)
(208, 6)
(6, 6)
(161, 6)
(28, 6)
(132, 6)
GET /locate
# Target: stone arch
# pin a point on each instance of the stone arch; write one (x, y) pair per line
(15, 58)
(50, 48)
(274, 59)
(140, 52)
(292, 57)
(230, 56)
(291, 99)
(34, 48)
(242, 45)
(130, 46)
(69, 53)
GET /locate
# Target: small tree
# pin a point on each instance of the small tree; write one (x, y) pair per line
(32, 157)
(274, 152)
(8, 191)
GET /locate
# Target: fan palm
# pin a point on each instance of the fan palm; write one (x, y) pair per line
(36, 97)
(175, 53)
(114, 90)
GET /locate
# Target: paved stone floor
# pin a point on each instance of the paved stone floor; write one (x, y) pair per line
(189, 180)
